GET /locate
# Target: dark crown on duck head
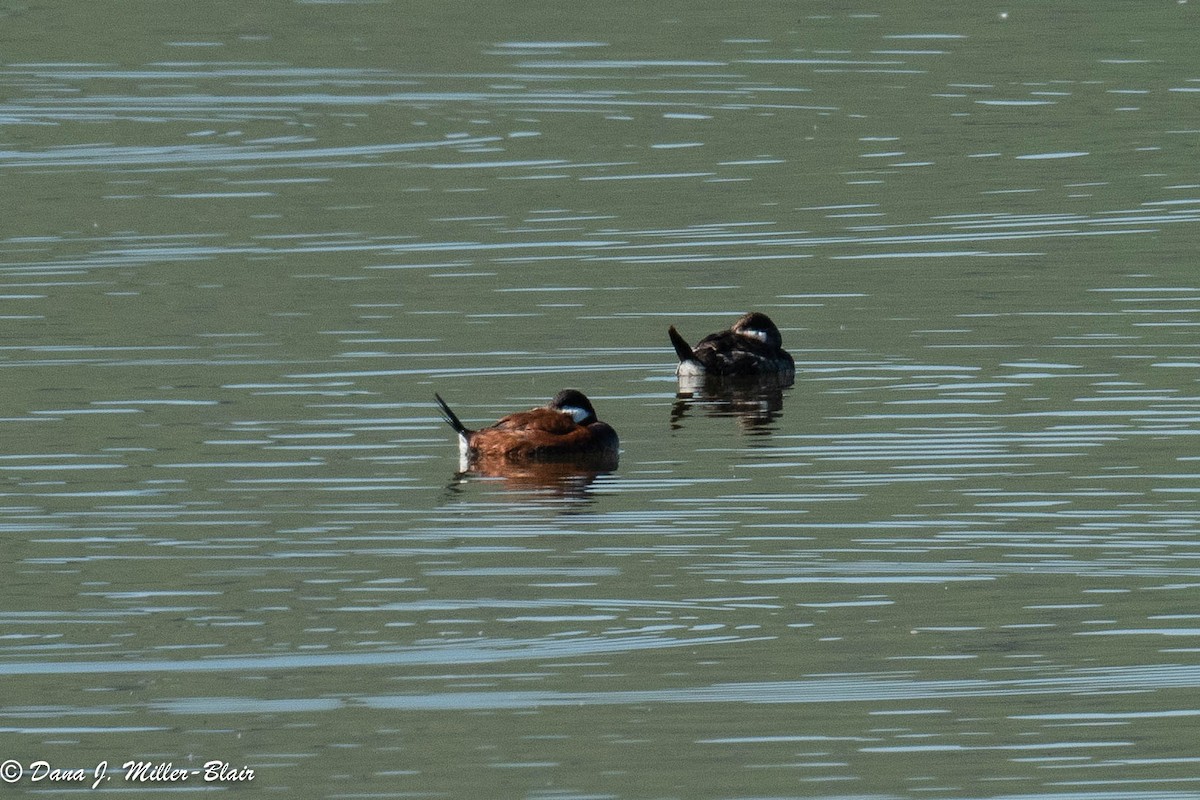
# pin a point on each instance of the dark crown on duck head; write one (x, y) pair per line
(760, 326)
(575, 403)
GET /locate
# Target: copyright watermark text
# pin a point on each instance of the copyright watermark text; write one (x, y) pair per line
(147, 773)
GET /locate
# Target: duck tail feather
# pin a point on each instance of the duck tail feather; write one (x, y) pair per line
(682, 349)
(450, 416)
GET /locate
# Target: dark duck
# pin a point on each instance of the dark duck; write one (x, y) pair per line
(752, 347)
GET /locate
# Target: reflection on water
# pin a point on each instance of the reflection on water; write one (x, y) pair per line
(755, 402)
(249, 246)
(572, 478)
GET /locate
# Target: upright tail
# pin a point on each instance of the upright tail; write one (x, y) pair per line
(682, 348)
(451, 417)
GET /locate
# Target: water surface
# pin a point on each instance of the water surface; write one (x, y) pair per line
(956, 558)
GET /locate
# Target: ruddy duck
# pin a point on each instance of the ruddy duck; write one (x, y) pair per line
(566, 429)
(751, 347)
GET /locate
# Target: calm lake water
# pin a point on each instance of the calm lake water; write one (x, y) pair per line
(244, 244)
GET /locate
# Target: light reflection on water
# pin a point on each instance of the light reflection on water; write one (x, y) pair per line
(234, 520)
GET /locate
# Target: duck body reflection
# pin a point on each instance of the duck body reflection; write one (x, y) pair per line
(533, 480)
(755, 401)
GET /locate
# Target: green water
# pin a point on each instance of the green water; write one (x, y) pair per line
(244, 244)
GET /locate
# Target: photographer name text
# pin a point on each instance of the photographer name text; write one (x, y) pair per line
(147, 773)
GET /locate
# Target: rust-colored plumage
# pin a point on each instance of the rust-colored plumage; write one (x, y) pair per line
(566, 429)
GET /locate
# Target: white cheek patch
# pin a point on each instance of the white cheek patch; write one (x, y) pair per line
(756, 334)
(578, 414)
